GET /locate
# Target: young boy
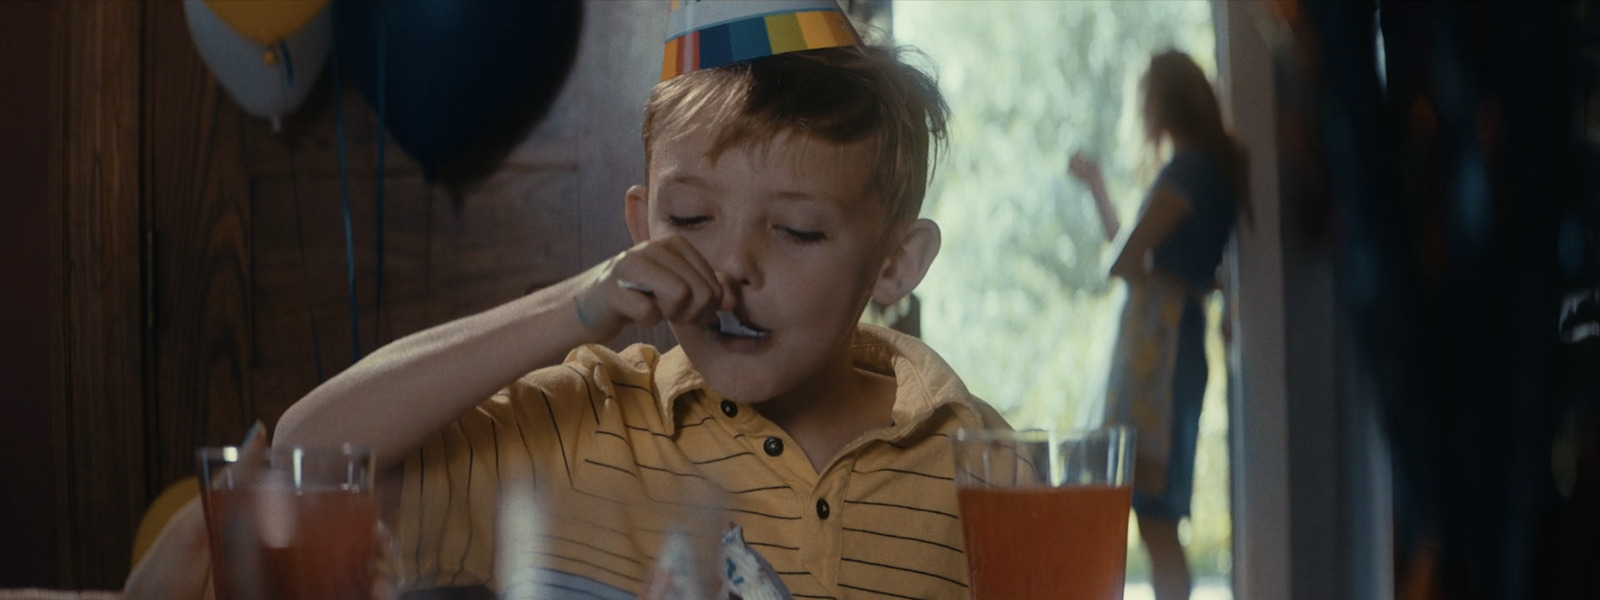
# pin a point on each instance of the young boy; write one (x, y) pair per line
(782, 196)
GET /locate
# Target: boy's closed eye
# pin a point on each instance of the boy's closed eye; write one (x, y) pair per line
(798, 234)
(804, 236)
(687, 222)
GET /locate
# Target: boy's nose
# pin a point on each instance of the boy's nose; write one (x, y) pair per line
(737, 263)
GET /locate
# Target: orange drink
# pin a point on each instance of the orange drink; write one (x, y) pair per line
(1043, 518)
(1066, 542)
(297, 524)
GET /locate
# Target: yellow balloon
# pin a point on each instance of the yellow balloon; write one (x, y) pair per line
(266, 21)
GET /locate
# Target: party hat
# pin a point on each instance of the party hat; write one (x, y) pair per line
(705, 34)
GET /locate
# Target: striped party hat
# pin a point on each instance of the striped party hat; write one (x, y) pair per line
(705, 34)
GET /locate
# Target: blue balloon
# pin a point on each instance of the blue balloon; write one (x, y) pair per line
(459, 82)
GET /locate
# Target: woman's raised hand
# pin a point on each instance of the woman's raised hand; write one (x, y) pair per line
(1085, 168)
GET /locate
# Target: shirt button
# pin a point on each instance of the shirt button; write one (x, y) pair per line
(729, 408)
(774, 446)
(823, 510)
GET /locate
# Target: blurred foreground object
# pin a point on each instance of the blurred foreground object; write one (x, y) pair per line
(1445, 151)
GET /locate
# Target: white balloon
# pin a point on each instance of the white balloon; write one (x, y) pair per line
(265, 87)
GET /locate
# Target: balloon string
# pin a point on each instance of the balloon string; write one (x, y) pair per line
(305, 264)
(288, 63)
(383, 117)
(281, 53)
(344, 191)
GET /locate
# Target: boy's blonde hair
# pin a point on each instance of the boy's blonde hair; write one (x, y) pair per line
(840, 95)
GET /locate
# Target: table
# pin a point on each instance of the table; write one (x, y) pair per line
(39, 594)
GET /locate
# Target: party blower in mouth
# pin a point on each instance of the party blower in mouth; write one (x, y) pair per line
(727, 322)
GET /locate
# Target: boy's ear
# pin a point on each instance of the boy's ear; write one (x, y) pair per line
(638, 213)
(905, 263)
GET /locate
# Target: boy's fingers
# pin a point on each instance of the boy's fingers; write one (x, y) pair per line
(682, 283)
(662, 279)
(699, 295)
(697, 261)
(710, 286)
(682, 261)
(640, 309)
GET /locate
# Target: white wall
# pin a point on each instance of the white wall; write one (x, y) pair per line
(1312, 493)
(1259, 404)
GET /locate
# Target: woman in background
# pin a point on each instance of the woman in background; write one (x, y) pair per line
(1169, 259)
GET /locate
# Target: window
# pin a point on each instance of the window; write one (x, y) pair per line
(1017, 301)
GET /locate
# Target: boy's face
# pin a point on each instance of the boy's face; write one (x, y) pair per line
(794, 232)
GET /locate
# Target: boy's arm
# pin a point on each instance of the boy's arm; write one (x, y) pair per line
(396, 398)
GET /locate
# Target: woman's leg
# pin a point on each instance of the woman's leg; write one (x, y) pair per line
(1169, 568)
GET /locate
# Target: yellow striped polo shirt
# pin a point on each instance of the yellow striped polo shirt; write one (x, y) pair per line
(624, 447)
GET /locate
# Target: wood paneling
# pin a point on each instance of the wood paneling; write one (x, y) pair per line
(28, 506)
(553, 208)
(98, 344)
(198, 210)
(202, 268)
(442, 261)
(446, 252)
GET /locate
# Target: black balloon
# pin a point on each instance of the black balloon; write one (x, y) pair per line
(459, 82)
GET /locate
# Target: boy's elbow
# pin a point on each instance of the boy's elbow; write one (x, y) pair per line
(288, 430)
(292, 426)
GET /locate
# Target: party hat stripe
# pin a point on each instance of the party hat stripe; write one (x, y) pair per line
(694, 15)
(672, 60)
(825, 29)
(691, 53)
(682, 56)
(715, 49)
(748, 39)
(706, 34)
(784, 32)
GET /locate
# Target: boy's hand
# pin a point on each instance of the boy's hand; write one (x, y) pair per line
(660, 279)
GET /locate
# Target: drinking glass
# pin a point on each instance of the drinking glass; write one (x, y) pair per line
(292, 523)
(1045, 515)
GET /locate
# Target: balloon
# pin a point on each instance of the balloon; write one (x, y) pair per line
(267, 81)
(266, 21)
(458, 82)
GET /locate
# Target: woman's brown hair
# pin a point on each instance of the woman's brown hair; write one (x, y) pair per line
(1178, 100)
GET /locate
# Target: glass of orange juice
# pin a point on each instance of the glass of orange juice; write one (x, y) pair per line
(1045, 515)
(292, 523)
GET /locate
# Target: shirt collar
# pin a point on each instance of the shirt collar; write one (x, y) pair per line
(923, 381)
